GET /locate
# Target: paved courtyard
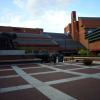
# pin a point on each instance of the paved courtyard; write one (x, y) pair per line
(61, 81)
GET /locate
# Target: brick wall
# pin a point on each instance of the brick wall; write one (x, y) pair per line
(83, 24)
(20, 30)
(74, 26)
(78, 30)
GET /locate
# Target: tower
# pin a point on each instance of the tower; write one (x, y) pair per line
(74, 26)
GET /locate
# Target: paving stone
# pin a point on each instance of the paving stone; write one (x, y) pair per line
(37, 70)
(27, 65)
(53, 76)
(27, 94)
(7, 72)
(5, 67)
(7, 82)
(67, 67)
(88, 70)
(84, 89)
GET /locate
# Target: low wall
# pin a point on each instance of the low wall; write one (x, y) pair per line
(73, 58)
(12, 52)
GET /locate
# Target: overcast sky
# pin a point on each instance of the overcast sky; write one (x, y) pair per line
(51, 15)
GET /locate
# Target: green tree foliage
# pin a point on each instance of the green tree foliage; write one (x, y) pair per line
(84, 52)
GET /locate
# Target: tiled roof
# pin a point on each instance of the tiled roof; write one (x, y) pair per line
(34, 39)
(37, 41)
(56, 35)
(65, 41)
(32, 35)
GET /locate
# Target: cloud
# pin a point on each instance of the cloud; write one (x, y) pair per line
(51, 21)
(39, 7)
(10, 19)
(55, 20)
(47, 14)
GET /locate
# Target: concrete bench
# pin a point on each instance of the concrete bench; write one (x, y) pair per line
(79, 60)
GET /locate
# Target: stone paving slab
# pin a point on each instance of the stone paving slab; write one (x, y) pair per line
(88, 70)
(5, 67)
(27, 65)
(59, 81)
(7, 72)
(66, 66)
(54, 76)
(36, 70)
(98, 67)
(84, 89)
(8, 82)
(52, 64)
(94, 64)
(27, 94)
(47, 90)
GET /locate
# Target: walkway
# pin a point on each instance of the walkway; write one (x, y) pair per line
(61, 81)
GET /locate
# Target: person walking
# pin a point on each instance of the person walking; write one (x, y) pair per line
(53, 58)
(60, 58)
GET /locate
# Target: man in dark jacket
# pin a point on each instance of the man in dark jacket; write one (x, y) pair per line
(53, 58)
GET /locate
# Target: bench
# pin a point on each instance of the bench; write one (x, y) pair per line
(79, 60)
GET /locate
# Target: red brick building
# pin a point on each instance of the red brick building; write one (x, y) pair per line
(20, 29)
(79, 29)
(34, 39)
(31, 39)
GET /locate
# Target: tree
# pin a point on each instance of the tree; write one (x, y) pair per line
(84, 52)
(6, 40)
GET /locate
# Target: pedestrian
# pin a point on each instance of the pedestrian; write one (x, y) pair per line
(53, 58)
(60, 58)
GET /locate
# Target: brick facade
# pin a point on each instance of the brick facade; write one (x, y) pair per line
(83, 26)
(74, 26)
(29, 46)
(20, 30)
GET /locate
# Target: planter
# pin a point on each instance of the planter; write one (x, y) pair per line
(87, 61)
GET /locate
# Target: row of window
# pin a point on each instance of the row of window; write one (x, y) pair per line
(93, 36)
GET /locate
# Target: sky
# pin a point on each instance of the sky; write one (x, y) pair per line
(51, 15)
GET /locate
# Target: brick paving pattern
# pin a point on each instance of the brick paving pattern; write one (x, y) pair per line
(27, 94)
(61, 81)
(53, 76)
(82, 89)
(88, 70)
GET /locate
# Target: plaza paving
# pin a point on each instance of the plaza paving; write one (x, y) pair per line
(61, 81)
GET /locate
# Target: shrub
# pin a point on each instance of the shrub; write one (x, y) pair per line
(84, 52)
(87, 61)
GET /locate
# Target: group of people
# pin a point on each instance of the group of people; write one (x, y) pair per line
(56, 58)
